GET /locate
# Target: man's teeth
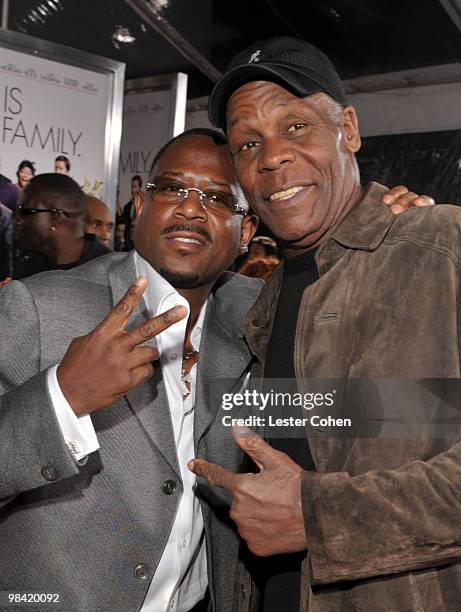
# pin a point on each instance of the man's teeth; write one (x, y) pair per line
(278, 195)
(189, 240)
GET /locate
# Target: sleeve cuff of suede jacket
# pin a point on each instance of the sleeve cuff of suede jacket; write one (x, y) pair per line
(372, 525)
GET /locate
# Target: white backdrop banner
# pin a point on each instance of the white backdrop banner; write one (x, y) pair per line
(50, 109)
(150, 118)
(411, 101)
(430, 108)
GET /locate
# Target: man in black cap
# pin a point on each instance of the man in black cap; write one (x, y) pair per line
(366, 520)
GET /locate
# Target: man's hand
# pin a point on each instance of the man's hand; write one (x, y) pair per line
(106, 363)
(267, 506)
(399, 199)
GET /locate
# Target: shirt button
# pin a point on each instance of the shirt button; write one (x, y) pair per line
(141, 571)
(169, 487)
(49, 473)
(243, 591)
(184, 542)
(173, 356)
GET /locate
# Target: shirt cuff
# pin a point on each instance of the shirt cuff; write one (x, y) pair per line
(78, 432)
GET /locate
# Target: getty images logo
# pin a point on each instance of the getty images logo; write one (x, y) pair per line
(255, 57)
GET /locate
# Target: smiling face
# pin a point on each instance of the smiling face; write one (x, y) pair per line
(294, 158)
(24, 176)
(185, 243)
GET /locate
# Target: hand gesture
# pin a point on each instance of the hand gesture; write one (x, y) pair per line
(106, 363)
(266, 506)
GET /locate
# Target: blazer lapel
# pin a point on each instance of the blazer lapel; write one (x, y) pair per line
(147, 401)
(224, 357)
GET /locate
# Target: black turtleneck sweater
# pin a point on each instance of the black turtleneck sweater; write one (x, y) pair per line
(279, 575)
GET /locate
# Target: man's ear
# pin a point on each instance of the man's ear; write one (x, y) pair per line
(249, 226)
(350, 129)
(138, 202)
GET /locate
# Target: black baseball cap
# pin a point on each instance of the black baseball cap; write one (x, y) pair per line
(290, 62)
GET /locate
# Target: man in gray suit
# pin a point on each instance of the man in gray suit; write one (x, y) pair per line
(98, 510)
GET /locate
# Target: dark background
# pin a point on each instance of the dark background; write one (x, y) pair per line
(362, 38)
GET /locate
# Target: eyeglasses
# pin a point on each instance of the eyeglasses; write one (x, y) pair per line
(215, 202)
(32, 211)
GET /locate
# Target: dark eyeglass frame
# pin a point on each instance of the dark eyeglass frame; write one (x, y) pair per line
(184, 192)
(23, 212)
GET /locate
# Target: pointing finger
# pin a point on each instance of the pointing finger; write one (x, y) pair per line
(257, 448)
(216, 475)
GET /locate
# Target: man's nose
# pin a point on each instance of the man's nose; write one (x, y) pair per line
(105, 233)
(274, 153)
(191, 207)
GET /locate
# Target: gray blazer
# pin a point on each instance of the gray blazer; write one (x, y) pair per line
(94, 534)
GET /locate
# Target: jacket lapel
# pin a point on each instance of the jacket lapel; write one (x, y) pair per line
(147, 401)
(224, 354)
(257, 324)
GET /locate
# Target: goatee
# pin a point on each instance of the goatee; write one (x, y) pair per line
(179, 280)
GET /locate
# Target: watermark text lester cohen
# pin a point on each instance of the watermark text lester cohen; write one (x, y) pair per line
(272, 401)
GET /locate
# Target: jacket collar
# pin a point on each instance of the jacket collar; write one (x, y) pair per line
(365, 227)
(257, 325)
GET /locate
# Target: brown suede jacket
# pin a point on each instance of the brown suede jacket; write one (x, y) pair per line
(382, 513)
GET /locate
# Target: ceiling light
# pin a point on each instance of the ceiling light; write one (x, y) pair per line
(160, 5)
(122, 36)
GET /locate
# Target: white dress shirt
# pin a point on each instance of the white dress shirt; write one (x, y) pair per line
(180, 580)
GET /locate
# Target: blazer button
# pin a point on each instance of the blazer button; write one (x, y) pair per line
(255, 322)
(169, 487)
(142, 571)
(49, 473)
(243, 591)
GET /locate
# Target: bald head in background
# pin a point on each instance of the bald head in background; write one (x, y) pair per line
(98, 219)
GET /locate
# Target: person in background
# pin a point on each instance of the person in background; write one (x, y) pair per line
(49, 224)
(119, 238)
(261, 259)
(4, 180)
(62, 165)
(10, 192)
(6, 243)
(129, 211)
(259, 267)
(98, 219)
(263, 246)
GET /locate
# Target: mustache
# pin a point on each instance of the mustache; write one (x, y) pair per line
(187, 227)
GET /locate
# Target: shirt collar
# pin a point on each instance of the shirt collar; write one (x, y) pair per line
(159, 291)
